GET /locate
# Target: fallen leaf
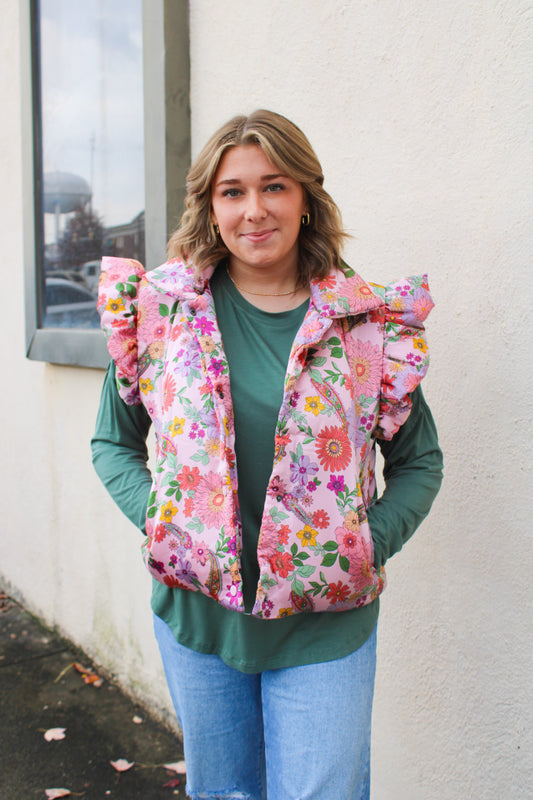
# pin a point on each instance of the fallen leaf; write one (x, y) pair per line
(88, 675)
(53, 793)
(137, 720)
(172, 784)
(54, 735)
(177, 766)
(122, 765)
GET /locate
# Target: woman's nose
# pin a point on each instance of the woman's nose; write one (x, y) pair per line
(255, 207)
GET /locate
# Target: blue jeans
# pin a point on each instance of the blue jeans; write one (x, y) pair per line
(298, 733)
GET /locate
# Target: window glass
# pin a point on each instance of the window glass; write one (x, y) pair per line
(92, 150)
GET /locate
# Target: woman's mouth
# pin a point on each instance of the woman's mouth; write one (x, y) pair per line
(258, 236)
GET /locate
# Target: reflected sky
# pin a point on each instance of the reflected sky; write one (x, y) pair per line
(92, 105)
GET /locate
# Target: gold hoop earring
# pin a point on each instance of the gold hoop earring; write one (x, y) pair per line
(306, 219)
(216, 229)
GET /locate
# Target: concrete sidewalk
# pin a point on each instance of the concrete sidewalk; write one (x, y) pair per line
(41, 689)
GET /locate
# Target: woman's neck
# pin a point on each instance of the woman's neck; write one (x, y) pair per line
(267, 290)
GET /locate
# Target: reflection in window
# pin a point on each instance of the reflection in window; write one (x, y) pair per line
(92, 149)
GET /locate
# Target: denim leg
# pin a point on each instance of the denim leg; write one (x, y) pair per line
(317, 722)
(219, 711)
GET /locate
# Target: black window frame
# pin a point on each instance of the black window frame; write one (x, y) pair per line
(166, 78)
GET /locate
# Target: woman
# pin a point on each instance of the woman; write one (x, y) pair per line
(269, 370)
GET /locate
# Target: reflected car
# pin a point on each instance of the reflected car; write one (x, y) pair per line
(90, 274)
(68, 305)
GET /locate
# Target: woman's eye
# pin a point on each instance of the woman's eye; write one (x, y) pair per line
(231, 193)
(275, 187)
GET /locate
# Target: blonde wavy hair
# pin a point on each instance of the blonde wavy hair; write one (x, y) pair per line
(284, 144)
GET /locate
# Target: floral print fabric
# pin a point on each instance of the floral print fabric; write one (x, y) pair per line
(358, 354)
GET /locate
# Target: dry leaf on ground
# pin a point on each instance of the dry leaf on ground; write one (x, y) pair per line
(54, 735)
(122, 765)
(53, 793)
(177, 766)
(88, 675)
(172, 783)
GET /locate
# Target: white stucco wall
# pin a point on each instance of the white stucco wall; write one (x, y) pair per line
(421, 114)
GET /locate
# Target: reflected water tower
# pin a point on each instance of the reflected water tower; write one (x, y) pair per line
(64, 193)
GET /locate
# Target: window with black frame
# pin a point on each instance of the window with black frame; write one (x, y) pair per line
(88, 61)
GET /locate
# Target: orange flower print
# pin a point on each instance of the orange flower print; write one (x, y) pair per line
(326, 283)
(189, 478)
(169, 392)
(337, 592)
(282, 563)
(283, 536)
(321, 519)
(333, 449)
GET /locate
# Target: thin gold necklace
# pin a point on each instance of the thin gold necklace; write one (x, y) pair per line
(260, 294)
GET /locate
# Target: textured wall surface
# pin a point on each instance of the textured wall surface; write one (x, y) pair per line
(421, 114)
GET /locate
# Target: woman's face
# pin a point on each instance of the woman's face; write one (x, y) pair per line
(258, 210)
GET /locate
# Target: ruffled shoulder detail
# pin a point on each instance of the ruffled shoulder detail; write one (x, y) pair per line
(405, 351)
(118, 309)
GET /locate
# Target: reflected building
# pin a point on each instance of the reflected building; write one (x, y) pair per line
(126, 240)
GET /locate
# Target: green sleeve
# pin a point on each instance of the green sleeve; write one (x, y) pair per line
(413, 475)
(119, 451)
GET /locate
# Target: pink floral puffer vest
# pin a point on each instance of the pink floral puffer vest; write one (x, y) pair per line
(358, 354)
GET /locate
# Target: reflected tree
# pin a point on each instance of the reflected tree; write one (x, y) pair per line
(82, 240)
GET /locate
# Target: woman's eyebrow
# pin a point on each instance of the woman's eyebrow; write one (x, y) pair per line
(233, 181)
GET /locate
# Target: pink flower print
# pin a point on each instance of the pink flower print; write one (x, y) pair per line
(211, 500)
(233, 595)
(160, 330)
(177, 330)
(360, 563)
(356, 291)
(200, 302)
(269, 538)
(200, 552)
(216, 367)
(276, 487)
(368, 421)
(267, 607)
(347, 541)
(422, 304)
(123, 349)
(336, 484)
(204, 325)
(366, 368)
(410, 382)
(147, 319)
(309, 329)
